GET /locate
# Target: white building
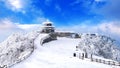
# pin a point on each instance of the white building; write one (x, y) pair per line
(48, 27)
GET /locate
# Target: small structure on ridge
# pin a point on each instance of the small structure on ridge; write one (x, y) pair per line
(48, 27)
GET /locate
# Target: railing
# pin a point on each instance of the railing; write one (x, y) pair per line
(108, 62)
(105, 62)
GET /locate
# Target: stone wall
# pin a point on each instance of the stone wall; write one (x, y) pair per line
(51, 37)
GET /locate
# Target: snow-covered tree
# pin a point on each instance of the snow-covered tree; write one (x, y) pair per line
(100, 45)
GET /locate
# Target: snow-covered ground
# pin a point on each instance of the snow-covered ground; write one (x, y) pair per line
(57, 54)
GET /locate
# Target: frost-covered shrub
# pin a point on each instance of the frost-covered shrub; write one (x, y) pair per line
(17, 47)
(100, 45)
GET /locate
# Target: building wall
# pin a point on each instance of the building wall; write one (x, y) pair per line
(48, 30)
(67, 34)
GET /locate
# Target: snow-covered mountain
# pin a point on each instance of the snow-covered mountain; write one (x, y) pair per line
(27, 49)
(57, 54)
(17, 47)
(99, 45)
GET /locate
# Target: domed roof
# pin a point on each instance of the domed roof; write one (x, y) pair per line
(47, 22)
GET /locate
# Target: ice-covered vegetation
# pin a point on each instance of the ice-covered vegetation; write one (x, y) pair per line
(17, 47)
(99, 45)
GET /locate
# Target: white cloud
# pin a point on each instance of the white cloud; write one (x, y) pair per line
(7, 27)
(99, 0)
(39, 20)
(17, 5)
(28, 27)
(110, 27)
(6, 23)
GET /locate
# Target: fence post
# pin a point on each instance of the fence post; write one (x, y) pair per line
(96, 60)
(79, 56)
(113, 63)
(86, 55)
(119, 63)
(82, 56)
(99, 60)
(104, 61)
(74, 54)
(108, 62)
(91, 57)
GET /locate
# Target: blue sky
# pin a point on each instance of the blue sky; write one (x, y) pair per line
(95, 16)
(61, 12)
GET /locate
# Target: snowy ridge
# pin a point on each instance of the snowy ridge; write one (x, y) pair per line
(100, 46)
(33, 60)
(17, 47)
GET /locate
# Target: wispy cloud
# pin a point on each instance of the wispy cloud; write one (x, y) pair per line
(7, 27)
(6, 23)
(48, 2)
(99, 0)
(112, 27)
(58, 8)
(16, 5)
(28, 27)
(76, 2)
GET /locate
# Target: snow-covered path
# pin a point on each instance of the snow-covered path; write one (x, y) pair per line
(57, 54)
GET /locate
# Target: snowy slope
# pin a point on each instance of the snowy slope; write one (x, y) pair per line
(57, 54)
(99, 45)
(17, 47)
